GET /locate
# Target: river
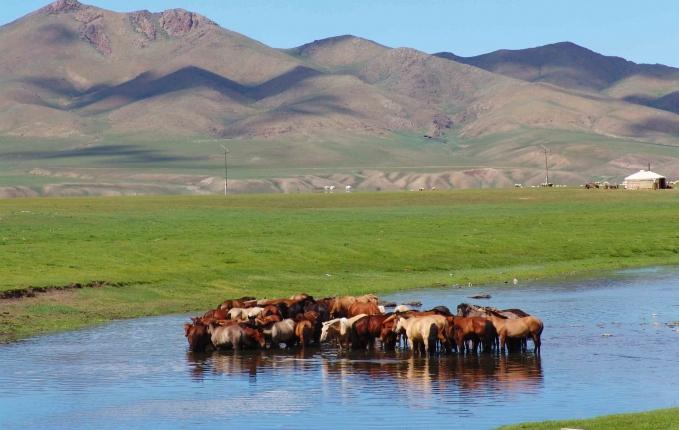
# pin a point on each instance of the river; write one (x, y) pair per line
(606, 349)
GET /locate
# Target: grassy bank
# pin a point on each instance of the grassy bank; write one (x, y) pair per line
(175, 254)
(662, 419)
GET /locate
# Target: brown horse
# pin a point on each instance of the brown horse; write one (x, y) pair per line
(365, 331)
(521, 328)
(197, 336)
(270, 310)
(388, 337)
(340, 305)
(478, 330)
(358, 308)
(304, 332)
(316, 320)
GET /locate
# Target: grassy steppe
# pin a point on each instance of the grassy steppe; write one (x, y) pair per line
(182, 253)
(662, 419)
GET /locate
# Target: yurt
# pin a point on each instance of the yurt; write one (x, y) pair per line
(645, 180)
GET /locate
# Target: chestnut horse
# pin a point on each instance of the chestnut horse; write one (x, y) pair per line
(304, 332)
(366, 330)
(358, 308)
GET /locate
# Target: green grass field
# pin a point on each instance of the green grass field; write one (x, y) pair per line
(662, 419)
(177, 254)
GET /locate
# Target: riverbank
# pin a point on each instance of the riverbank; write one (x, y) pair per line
(661, 419)
(158, 255)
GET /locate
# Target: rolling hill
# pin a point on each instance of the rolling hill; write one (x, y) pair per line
(94, 101)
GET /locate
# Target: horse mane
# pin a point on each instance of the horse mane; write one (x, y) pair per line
(495, 312)
(518, 312)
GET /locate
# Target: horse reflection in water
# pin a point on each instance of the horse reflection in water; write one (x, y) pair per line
(418, 376)
(440, 374)
(249, 362)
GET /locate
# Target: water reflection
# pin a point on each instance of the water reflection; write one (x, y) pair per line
(469, 374)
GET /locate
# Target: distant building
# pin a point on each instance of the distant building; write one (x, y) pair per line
(645, 180)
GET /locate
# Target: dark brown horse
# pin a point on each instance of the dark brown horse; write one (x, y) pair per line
(365, 331)
(478, 330)
(197, 336)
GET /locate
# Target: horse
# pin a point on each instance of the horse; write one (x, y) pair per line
(340, 305)
(265, 321)
(235, 336)
(197, 336)
(388, 337)
(269, 310)
(364, 331)
(316, 321)
(281, 332)
(441, 310)
(238, 314)
(229, 304)
(422, 333)
(301, 296)
(304, 332)
(339, 328)
(217, 314)
(467, 310)
(297, 307)
(358, 308)
(521, 328)
(476, 329)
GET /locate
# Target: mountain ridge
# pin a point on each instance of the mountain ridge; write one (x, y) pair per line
(571, 66)
(74, 78)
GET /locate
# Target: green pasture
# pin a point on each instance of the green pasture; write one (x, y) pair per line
(662, 419)
(187, 253)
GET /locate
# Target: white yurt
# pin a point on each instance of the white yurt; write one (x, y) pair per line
(645, 180)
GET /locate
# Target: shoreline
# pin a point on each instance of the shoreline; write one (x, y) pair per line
(58, 294)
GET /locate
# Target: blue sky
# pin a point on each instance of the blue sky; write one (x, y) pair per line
(642, 31)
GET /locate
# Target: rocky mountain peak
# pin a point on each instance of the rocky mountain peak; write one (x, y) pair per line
(62, 6)
(178, 22)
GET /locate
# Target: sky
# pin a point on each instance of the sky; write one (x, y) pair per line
(641, 31)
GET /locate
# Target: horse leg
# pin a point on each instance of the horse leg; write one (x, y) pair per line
(503, 341)
(536, 343)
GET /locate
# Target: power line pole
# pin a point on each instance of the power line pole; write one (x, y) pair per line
(546, 165)
(226, 170)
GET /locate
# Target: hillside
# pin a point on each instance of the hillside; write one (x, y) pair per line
(570, 66)
(99, 102)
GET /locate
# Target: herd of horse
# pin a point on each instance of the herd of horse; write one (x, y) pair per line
(358, 322)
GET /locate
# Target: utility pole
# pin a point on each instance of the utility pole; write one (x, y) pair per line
(226, 171)
(546, 166)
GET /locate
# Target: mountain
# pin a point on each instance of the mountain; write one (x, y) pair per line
(94, 101)
(571, 66)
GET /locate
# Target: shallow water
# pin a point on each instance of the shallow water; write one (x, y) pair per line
(138, 373)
